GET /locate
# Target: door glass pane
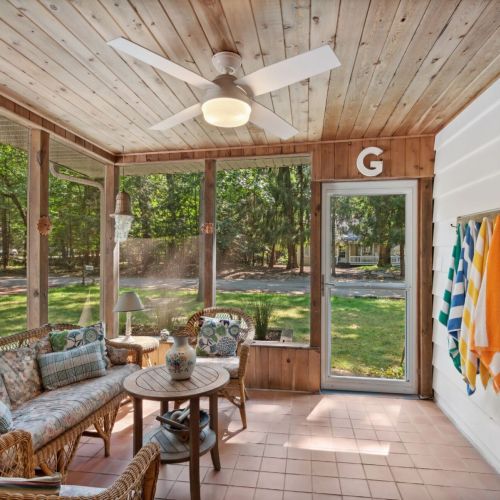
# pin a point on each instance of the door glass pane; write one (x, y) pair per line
(368, 333)
(368, 238)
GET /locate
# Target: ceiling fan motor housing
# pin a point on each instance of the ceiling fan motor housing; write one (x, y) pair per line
(226, 62)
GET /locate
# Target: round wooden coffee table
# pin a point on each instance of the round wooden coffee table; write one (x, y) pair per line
(156, 384)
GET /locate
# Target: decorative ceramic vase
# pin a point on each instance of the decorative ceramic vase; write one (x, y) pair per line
(180, 359)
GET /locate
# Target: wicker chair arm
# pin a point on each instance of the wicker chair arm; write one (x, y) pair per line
(244, 354)
(134, 350)
(16, 455)
(140, 474)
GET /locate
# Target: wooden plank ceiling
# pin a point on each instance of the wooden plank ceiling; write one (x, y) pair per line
(407, 66)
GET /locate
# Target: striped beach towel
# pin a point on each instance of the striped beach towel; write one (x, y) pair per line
(486, 340)
(455, 256)
(468, 359)
(459, 291)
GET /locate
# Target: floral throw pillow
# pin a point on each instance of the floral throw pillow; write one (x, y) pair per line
(66, 340)
(218, 337)
(19, 370)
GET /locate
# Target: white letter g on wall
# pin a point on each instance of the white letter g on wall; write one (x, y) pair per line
(376, 166)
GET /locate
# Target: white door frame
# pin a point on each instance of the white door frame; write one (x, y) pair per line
(371, 384)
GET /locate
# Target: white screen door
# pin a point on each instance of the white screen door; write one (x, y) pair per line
(368, 277)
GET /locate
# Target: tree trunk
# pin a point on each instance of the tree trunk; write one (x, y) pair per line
(272, 256)
(301, 217)
(384, 258)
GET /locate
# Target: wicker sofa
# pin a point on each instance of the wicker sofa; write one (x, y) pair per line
(56, 420)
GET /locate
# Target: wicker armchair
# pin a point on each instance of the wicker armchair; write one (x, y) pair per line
(137, 482)
(235, 391)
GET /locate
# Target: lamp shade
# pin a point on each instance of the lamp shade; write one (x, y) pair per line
(128, 301)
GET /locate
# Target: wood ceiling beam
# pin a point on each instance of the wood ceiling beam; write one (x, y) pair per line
(31, 119)
(285, 149)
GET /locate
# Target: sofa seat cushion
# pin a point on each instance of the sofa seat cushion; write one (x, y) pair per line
(54, 412)
(230, 363)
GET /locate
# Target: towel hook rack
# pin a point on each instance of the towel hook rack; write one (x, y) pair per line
(477, 216)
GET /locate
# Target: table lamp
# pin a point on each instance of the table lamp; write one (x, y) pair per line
(128, 302)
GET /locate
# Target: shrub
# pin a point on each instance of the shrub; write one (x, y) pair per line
(263, 308)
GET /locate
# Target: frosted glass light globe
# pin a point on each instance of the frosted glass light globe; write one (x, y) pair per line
(226, 112)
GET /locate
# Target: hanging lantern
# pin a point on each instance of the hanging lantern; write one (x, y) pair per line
(123, 216)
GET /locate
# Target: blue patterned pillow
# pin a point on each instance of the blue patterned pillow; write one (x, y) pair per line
(65, 340)
(67, 367)
(5, 418)
(218, 337)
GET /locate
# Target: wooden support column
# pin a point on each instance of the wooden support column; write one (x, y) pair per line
(315, 244)
(110, 257)
(208, 230)
(38, 245)
(425, 251)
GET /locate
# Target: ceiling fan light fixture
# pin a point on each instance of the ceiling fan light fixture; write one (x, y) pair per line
(226, 112)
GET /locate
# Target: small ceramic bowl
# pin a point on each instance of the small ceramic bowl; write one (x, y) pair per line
(181, 434)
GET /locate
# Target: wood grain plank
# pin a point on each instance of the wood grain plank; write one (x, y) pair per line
(275, 372)
(460, 24)
(398, 158)
(301, 377)
(323, 28)
(315, 263)
(341, 160)
(351, 20)
(436, 17)
(484, 27)
(406, 21)
(267, 16)
(295, 16)
(314, 363)
(37, 272)
(425, 321)
(474, 71)
(412, 154)
(379, 19)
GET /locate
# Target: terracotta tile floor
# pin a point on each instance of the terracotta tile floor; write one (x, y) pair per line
(336, 446)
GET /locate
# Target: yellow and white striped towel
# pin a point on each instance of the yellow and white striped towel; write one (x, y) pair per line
(468, 359)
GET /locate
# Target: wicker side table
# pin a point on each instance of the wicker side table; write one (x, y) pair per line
(156, 384)
(148, 345)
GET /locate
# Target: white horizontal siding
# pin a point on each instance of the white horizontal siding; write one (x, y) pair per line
(467, 181)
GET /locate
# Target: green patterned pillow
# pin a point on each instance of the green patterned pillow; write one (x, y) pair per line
(65, 340)
(218, 337)
(67, 367)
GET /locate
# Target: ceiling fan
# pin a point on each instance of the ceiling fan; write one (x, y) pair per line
(227, 100)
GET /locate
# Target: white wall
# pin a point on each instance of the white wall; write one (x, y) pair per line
(467, 181)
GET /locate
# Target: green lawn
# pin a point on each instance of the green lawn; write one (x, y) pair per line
(368, 334)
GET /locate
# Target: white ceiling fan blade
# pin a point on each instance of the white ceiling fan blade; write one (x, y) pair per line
(181, 117)
(267, 120)
(293, 70)
(159, 62)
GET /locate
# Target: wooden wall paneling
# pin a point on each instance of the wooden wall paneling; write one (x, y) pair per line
(427, 155)
(314, 364)
(354, 149)
(328, 161)
(398, 158)
(110, 260)
(38, 245)
(412, 160)
(289, 367)
(301, 373)
(315, 275)
(425, 299)
(385, 145)
(341, 160)
(210, 236)
(275, 362)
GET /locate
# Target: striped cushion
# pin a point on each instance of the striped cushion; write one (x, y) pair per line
(67, 367)
(5, 418)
